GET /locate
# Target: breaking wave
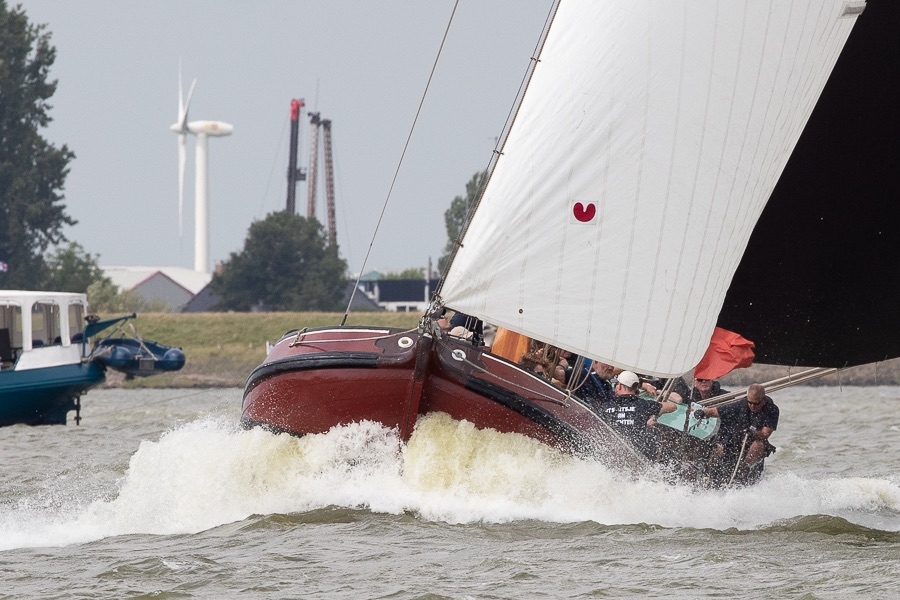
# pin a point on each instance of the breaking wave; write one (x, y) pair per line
(208, 473)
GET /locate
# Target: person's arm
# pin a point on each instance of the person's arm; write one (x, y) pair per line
(675, 397)
(667, 407)
(704, 413)
(760, 434)
(655, 391)
(769, 422)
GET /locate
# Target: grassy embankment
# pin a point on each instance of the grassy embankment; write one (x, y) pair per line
(223, 348)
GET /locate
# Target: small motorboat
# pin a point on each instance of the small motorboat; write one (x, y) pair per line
(45, 355)
(137, 357)
(48, 360)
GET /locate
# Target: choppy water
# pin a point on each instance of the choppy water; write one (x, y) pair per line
(159, 494)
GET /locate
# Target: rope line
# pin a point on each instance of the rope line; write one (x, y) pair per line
(299, 342)
(151, 403)
(399, 163)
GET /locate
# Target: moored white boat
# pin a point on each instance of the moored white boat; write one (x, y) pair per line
(46, 355)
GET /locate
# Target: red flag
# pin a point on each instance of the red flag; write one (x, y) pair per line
(727, 351)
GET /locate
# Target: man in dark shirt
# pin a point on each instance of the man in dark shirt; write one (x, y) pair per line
(632, 416)
(705, 389)
(595, 386)
(755, 417)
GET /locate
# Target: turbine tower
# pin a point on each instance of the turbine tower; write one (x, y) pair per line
(203, 130)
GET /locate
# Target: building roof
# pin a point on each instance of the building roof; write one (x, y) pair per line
(203, 301)
(402, 290)
(129, 277)
(361, 301)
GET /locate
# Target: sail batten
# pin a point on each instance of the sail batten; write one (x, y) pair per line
(634, 172)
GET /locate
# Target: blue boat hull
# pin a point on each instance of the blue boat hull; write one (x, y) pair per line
(45, 396)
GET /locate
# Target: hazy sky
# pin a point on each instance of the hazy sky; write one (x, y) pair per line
(363, 64)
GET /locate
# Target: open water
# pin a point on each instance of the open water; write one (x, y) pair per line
(159, 494)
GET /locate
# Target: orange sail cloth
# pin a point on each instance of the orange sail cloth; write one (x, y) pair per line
(727, 351)
(510, 345)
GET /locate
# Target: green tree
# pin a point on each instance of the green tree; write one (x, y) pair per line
(455, 216)
(411, 273)
(32, 170)
(286, 264)
(103, 296)
(71, 269)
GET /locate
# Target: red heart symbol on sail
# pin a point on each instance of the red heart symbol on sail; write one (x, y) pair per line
(584, 213)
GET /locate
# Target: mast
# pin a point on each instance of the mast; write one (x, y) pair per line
(329, 182)
(294, 173)
(313, 164)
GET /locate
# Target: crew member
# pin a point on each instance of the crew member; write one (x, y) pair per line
(744, 430)
(632, 416)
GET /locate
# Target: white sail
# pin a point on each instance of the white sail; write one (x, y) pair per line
(647, 144)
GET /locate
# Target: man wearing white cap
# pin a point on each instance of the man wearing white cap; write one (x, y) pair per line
(632, 416)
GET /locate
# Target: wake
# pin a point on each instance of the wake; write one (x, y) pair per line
(209, 472)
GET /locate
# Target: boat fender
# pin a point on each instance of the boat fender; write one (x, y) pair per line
(173, 354)
(173, 359)
(119, 355)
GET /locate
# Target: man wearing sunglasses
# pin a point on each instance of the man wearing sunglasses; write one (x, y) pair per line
(745, 427)
(704, 389)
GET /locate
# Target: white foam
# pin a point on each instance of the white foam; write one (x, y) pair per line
(209, 472)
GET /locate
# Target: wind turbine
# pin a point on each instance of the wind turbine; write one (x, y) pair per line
(203, 130)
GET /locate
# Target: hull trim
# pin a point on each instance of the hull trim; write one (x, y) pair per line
(307, 362)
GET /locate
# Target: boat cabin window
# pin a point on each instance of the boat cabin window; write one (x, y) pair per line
(10, 332)
(76, 321)
(45, 323)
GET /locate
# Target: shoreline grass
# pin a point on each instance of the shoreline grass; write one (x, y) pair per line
(223, 348)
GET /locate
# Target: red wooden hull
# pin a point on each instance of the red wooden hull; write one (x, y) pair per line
(320, 378)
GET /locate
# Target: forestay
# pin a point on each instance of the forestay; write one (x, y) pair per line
(645, 147)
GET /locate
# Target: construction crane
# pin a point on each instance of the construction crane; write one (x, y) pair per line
(311, 176)
(294, 173)
(329, 182)
(311, 185)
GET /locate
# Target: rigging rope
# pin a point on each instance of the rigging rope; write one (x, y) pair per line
(501, 140)
(151, 403)
(740, 458)
(399, 163)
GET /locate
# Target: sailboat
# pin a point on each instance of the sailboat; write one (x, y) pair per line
(617, 210)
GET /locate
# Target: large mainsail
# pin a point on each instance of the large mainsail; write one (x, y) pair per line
(648, 141)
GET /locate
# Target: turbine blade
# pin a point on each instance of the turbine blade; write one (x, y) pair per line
(183, 115)
(180, 94)
(187, 102)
